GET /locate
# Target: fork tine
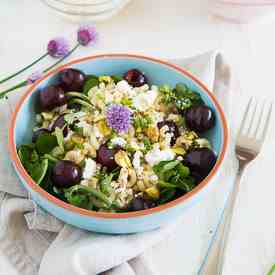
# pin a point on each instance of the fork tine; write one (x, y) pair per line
(267, 123)
(259, 120)
(252, 118)
(245, 115)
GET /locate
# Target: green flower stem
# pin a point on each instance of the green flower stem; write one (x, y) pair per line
(17, 86)
(272, 270)
(23, 69)
(25, 82)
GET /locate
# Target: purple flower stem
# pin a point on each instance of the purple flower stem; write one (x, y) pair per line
(25, 82)
(23, 69)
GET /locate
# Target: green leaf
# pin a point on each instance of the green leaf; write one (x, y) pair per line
(73, 194)
(170, 165)
(142, 121)
(39, 170)
(35, 167)
(27, 154)
(166, 195)
(117, 78)
(72, 117)
(105, 184)
(80, 102)
(78, 95)
(147, 144)
(91, 82)
(60, 138)
(184, 171)
(45, 143)
(78, 197)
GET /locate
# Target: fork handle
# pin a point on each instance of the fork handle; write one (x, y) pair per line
(230, 205)
(215, 259)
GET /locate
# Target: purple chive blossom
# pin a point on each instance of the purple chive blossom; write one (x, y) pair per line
(119, 118)
(87, 35)
(34, 76)
(58, 47)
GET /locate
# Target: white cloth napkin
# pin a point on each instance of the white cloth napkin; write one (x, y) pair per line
(38, 243)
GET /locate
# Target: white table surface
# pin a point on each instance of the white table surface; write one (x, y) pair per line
(166, 29)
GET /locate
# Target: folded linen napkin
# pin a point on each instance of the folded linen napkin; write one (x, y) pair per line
(36, 242)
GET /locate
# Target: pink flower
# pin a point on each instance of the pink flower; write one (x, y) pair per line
(58, 47)
(87, 35)
(34, 77)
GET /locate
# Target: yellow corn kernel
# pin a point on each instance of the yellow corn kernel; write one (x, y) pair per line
(153, 192)
(105, 78)
(122, 159)
(104, 129)
(179, 150)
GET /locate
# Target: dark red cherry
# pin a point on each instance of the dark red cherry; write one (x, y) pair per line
(72, 80)
(51, 97)
(200, 161)
(138, 204)
(60, 123)
(65, 174)
(135, 78)
(106, 156)
(173, 129)
(200, 118)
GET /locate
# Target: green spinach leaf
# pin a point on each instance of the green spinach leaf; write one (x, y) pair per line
(91, 82)
(45, 143)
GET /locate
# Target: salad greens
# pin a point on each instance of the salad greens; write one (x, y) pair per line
(173, 176)
(103, 144)
(181, 96)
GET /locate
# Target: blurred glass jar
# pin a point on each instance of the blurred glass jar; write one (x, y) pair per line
(86, 10)
(243, 11)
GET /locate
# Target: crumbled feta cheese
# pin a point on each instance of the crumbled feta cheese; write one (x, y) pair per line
(156, 155)
(119, 141)
(123, 86)
(89, 169)
(144, 101)
(167, 140)
(137, 163)
(157, 117)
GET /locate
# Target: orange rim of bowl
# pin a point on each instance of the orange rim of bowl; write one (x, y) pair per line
(106, 215)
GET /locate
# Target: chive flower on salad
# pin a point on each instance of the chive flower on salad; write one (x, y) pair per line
(117, 143)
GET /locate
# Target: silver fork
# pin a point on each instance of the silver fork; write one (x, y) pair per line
(248, 145)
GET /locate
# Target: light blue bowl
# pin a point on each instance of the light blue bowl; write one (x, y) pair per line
(158, 72)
